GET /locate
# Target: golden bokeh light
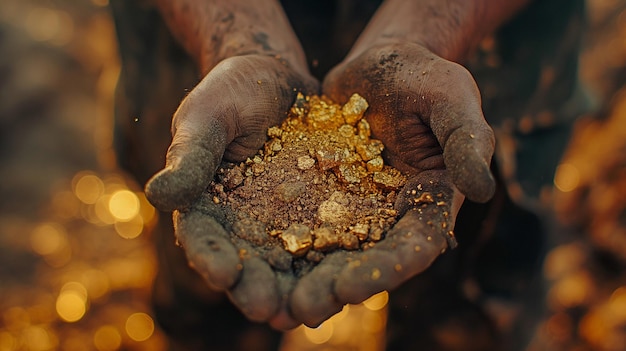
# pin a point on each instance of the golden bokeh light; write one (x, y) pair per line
(124, 205)
(101, 209)
(107, 338)
(8, 342)
(96, 282)
(373, 322)
(377, 302)
(139, 326)
(88, 187)
(321, 334)
(16, 318)
(148, 211)
(101, 3)
(71, 305)
(37, 338)
(571, 291)
(130, 229)
(567, 177)
(48, 238)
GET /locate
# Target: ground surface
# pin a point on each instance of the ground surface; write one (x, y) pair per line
(75, 266)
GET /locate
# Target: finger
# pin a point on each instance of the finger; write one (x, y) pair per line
(283, 320)
(313, 300)
(208, 249)
(468, 142)
(198, 143)
(409, 248)
(256, 293)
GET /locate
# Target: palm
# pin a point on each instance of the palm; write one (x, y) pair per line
(427, 113)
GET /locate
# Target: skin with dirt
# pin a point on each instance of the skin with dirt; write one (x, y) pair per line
(318, 185)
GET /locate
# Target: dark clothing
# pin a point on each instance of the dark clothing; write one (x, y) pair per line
(527, 74)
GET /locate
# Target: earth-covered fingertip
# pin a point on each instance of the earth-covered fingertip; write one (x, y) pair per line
(158, 190)
(475, 181)
(208, 249)
(256, 294)
(313, 300)
(313, 304)
(469, 170)
(182, 181)
(283, 321)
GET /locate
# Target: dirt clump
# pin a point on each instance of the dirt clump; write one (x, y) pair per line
(318, 185)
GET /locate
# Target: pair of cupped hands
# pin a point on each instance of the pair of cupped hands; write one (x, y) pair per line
(425, 109)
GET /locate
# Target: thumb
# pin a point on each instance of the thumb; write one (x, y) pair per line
(198, 143)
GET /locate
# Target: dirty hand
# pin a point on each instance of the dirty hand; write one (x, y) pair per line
(427, 112)
(226, 116)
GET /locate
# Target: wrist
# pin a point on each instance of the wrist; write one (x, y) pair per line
(212, 31)
(448, 28)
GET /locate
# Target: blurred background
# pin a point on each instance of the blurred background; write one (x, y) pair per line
(75, 261)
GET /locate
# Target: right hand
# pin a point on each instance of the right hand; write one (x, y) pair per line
(226, 116)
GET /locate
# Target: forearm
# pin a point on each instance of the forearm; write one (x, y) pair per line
(449, 28)
(213, 30)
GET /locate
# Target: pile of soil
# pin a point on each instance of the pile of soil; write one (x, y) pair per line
(318, 185)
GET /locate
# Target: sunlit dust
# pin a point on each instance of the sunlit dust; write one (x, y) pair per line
(139, 326)
(107, 338)
(124, 205)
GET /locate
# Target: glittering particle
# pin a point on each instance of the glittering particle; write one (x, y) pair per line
(375, 275)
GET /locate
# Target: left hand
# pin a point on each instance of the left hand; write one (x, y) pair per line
(427, 112)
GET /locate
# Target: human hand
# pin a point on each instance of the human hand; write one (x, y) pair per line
(226, 116)
(427, 112)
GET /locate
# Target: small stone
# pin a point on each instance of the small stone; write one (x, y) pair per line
(327, 159)
(297, 239)
(257, 168)
(389, 181)
(364, 130)
(273, 146)
(274, 132)
(233, 178)
(288, 191)
(305, 162)
(332, 212)
(351, 173)
(353, 110)
(375, 165)
(370, 150)
(346, 131)
(339, 197)
(324, 116)
(360, 230)
(348, 241)
(325, 239)
(376, 233)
